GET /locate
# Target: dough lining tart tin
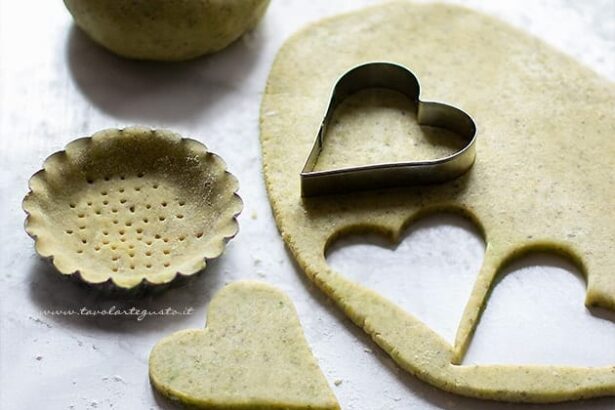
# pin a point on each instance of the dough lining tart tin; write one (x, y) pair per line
(130, 207)
(543, 179)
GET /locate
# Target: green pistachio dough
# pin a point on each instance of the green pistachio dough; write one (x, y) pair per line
(252, 355)
(166, 30)
(543, 179)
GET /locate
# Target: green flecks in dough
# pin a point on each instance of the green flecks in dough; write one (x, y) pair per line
(543, 178)
(390, 133)
(252, 355)
(166, 30)
(132, 207)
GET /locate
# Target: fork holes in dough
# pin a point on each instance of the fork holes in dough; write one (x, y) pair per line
(115, 218)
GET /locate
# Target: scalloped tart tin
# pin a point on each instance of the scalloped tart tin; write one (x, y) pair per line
(130, 207)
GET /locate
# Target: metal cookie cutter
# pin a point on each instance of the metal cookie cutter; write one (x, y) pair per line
(398, 78)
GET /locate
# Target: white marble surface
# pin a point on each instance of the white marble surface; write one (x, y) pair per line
(55, 85)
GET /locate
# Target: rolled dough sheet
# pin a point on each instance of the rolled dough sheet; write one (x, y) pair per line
(543, 179)
(252, 355)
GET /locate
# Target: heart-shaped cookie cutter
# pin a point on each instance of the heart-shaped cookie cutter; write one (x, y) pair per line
(395, 77)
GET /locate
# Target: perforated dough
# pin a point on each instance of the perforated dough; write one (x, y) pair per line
(251, 355)
(132, 206)
(543, 179)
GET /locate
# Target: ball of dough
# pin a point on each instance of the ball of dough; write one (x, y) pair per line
(167, 30)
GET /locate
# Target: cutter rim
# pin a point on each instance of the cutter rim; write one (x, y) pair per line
(439, 170)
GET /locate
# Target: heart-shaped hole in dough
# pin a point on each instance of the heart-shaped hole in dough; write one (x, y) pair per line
(536, 315)
(429, 273)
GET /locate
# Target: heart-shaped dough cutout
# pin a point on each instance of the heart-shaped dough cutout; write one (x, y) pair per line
(251, 355)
